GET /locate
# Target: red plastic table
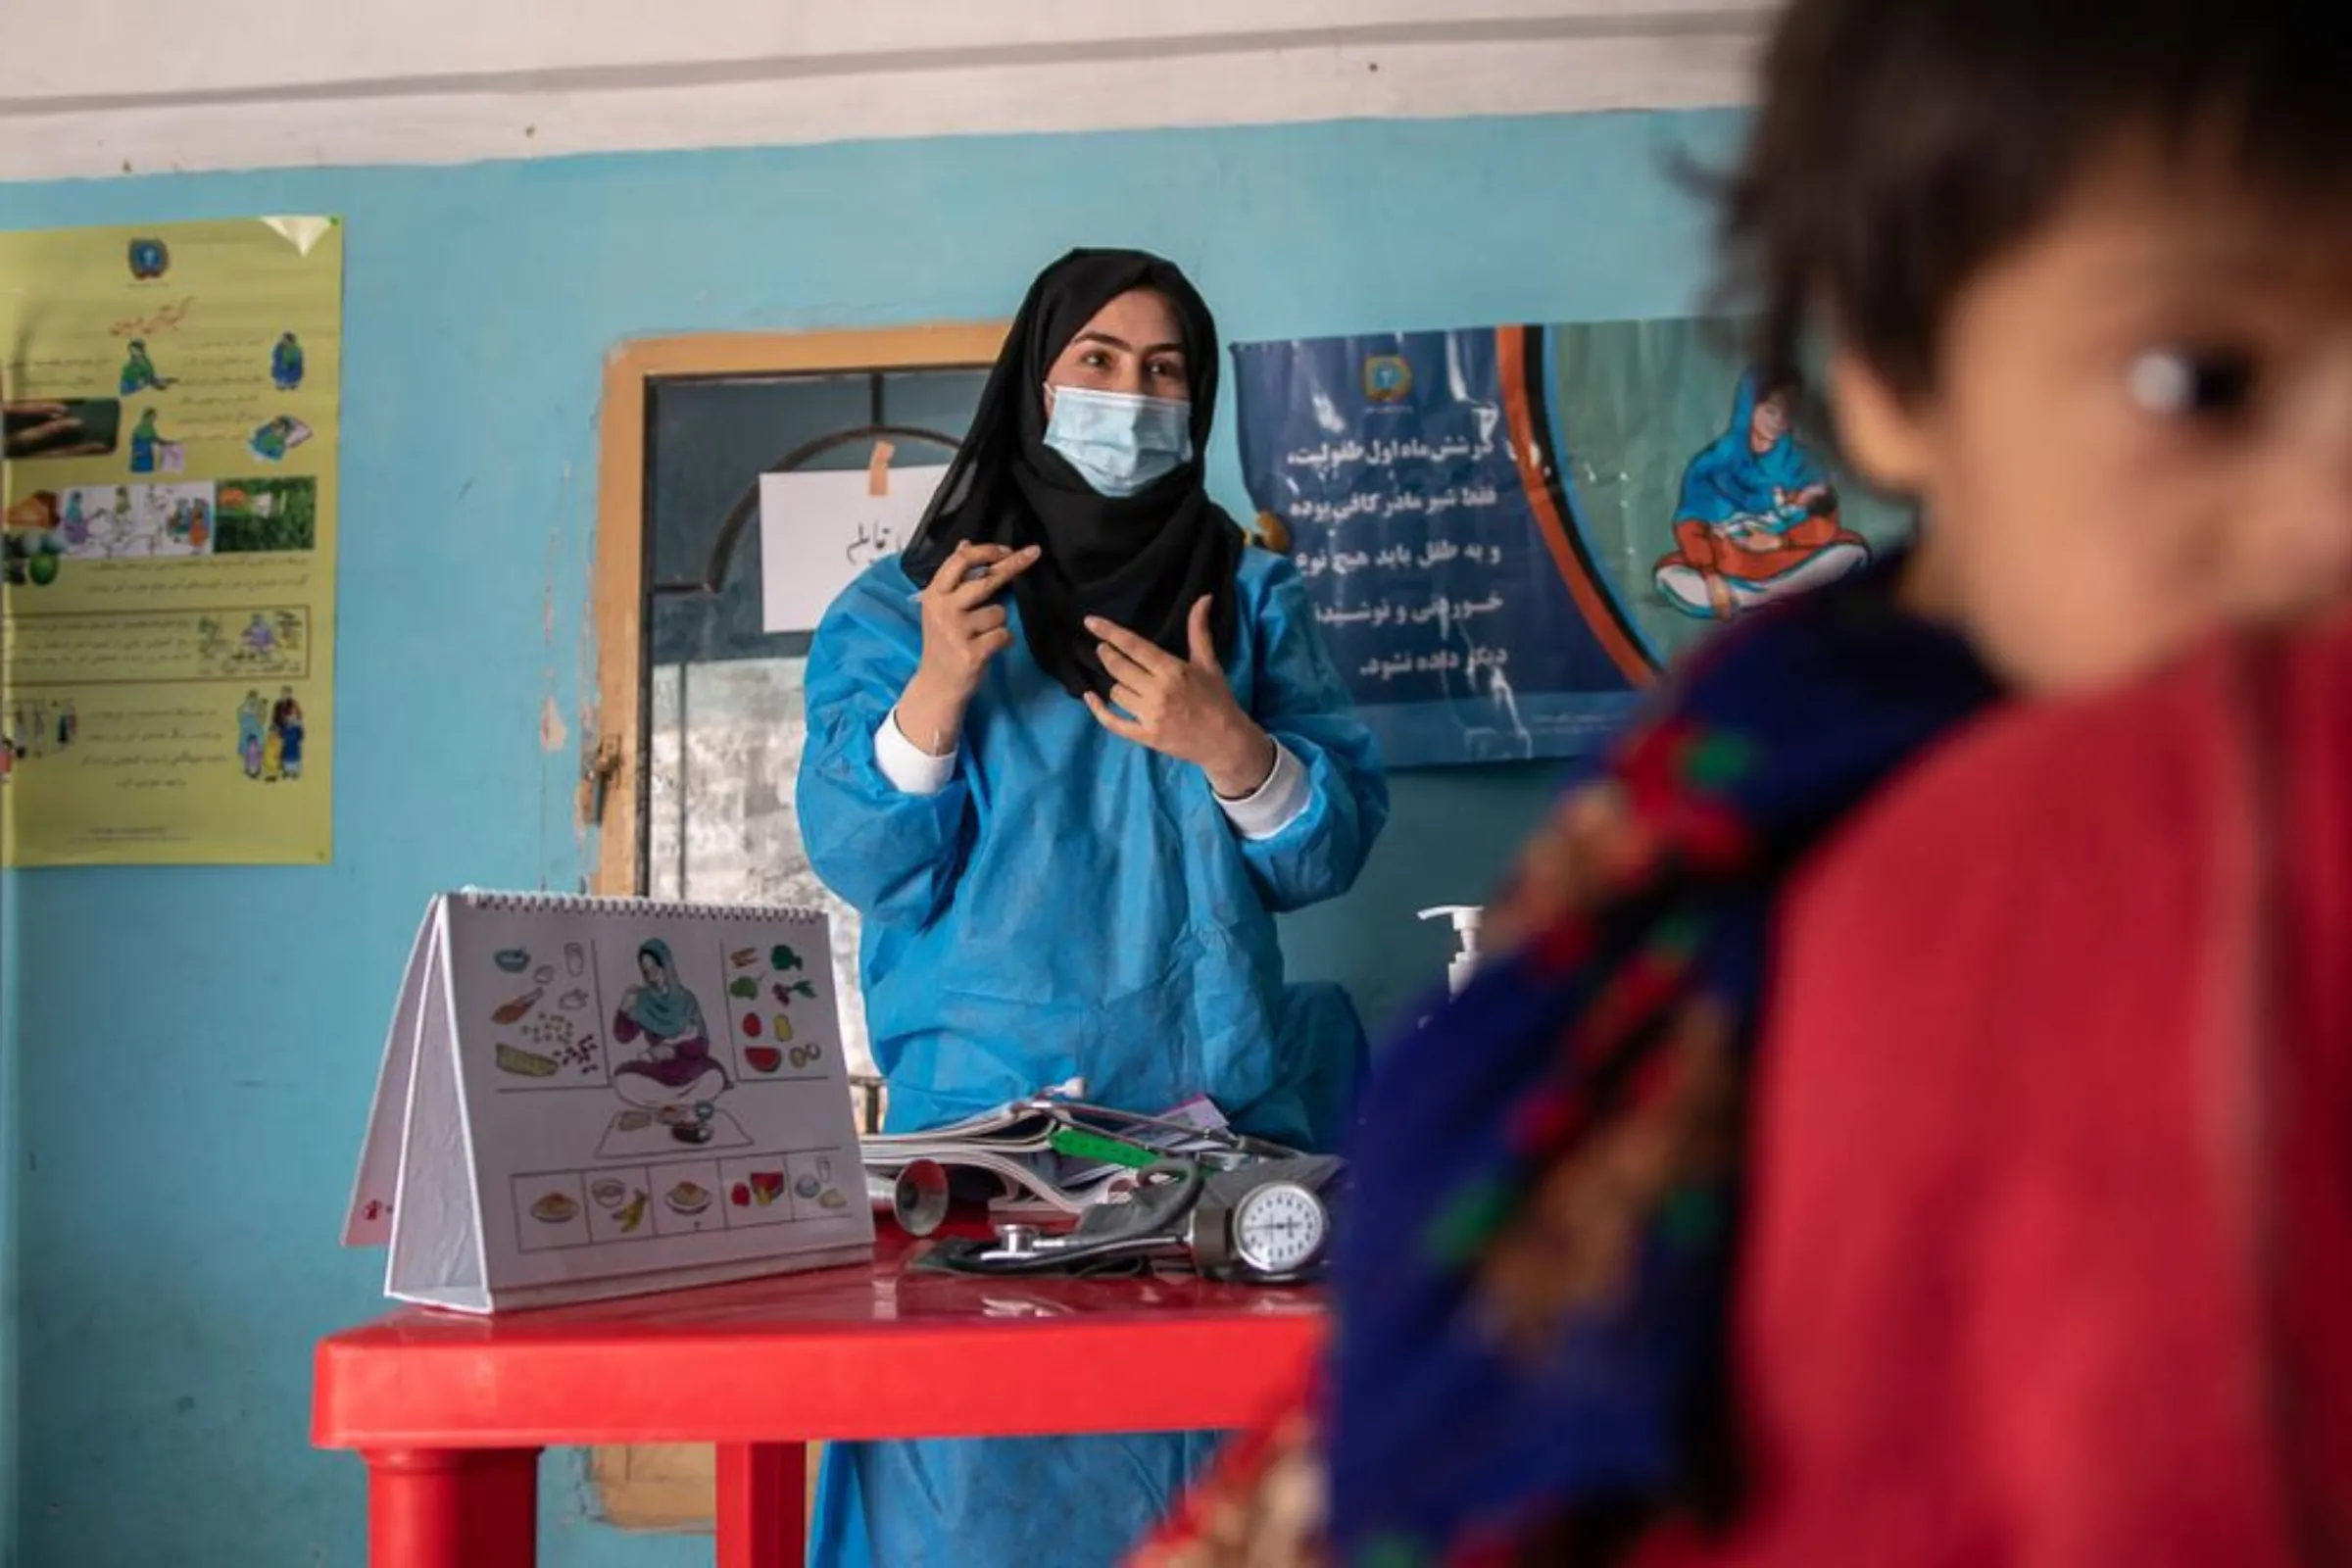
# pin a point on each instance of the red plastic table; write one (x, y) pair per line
(451, 1412)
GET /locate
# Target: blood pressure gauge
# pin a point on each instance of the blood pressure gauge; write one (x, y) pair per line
(1279, 1229)
(1267, 1223)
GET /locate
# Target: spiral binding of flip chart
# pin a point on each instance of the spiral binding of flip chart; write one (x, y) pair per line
(642, 908)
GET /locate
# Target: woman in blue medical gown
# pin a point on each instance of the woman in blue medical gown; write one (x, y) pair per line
(1068, 758)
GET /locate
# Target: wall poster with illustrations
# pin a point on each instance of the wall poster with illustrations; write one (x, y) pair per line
(1509, 531)
(168, 565)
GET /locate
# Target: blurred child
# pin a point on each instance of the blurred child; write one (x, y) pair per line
(2074, 277)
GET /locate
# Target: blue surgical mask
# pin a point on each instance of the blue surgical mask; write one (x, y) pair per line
(1120, 442)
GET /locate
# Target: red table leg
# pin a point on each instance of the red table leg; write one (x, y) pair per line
(453, 1508)
(762, 1505)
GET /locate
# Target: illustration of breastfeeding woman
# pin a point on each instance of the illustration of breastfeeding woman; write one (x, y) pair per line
(1757, 517)
(138, 371)
(677, 1067)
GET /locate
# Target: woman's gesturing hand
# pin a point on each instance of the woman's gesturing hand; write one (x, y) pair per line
(964, 628)
(1181, 707)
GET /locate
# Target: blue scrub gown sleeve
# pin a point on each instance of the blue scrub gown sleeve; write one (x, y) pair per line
(894, 855)
(1300, 701)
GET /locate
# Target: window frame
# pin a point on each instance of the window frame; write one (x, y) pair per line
(673, 1486)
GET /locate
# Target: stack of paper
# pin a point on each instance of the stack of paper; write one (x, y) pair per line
(1041, 1156)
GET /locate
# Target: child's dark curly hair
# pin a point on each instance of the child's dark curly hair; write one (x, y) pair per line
(1904, 144)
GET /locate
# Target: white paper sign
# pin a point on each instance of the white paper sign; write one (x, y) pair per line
(818, 532)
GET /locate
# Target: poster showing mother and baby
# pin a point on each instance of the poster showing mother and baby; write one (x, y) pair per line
(1507, 533)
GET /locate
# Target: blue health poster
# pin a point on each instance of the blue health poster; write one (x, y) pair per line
(1507, 531)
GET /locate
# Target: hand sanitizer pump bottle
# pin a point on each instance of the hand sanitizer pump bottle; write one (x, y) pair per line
(1467, 920)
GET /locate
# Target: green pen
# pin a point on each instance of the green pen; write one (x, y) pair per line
(1079, 1144)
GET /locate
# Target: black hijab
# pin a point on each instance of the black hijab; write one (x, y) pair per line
(1142, 561)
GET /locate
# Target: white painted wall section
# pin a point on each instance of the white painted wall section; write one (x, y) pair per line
(157, 86)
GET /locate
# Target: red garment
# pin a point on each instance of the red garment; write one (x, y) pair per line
(1698, 545)
(2057, 1077)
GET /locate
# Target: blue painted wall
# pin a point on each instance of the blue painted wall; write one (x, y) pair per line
(10, 1408)
(193, 1049)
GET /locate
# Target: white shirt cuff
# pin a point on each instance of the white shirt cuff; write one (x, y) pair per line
(911, 769)
(1276, 804)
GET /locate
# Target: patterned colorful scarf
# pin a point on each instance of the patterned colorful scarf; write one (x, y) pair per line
(1532, 1291)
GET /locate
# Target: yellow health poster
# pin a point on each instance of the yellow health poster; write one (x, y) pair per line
(167, 586)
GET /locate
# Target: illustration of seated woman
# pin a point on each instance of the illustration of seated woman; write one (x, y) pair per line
(138, 370)
(678, 1068)
(1757, 518)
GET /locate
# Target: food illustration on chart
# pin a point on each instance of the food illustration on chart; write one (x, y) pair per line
(573, 1208)
(554, 1212)
(777, 1188)
(658, 1047)
(763, 994)
(814, 1190)
(656, 1050)
(626, 1203)
(538, 1040)
(584, 1208)
(758, 1189)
